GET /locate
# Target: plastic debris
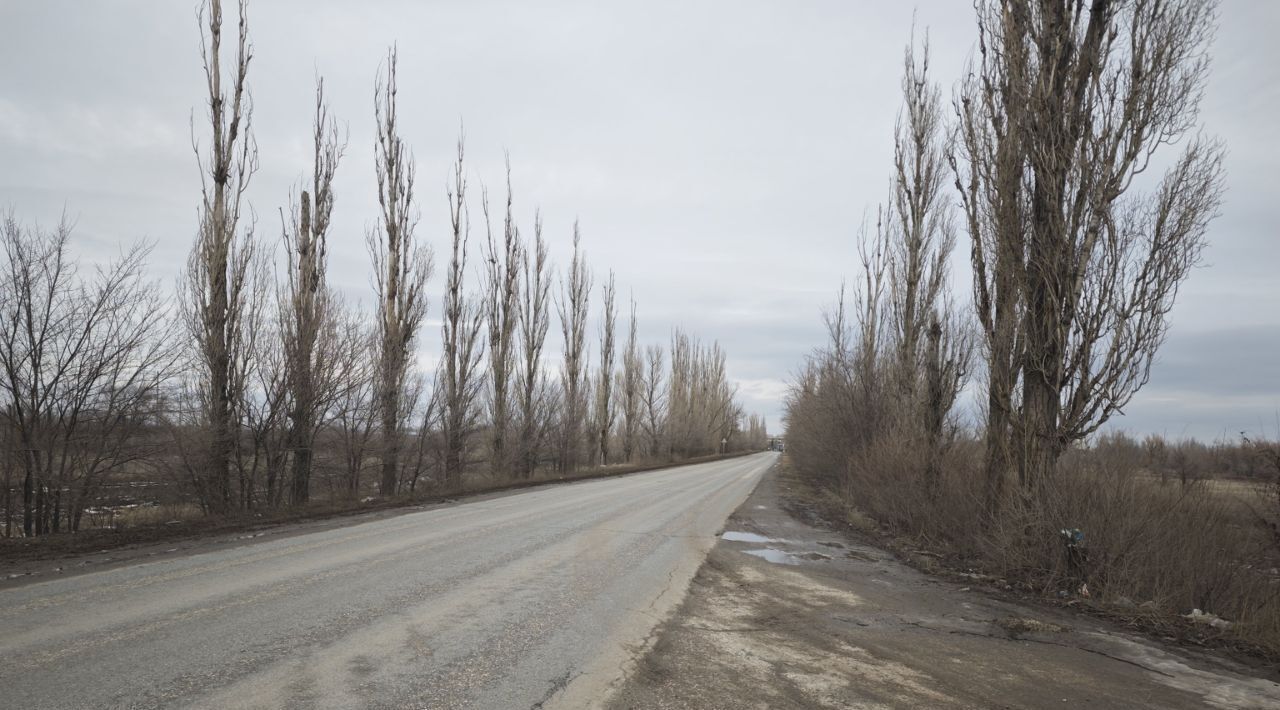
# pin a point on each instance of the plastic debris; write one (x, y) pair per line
(1201, 617)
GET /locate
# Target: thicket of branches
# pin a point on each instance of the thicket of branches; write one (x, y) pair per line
(1077, 252)
(83, 373)
(280, 391)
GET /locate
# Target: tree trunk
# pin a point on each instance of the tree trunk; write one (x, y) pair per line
(219, 464)
(28, 504)
(301, 490)
(998, 461)
(390, 447)
(1041, 376)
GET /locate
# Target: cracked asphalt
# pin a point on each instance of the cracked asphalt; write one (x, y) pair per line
(541, 598)
(787, 614)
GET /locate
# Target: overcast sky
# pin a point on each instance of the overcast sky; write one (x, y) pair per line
(719, 155)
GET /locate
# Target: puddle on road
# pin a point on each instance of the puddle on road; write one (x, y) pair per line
(735, 536)
(775, 556)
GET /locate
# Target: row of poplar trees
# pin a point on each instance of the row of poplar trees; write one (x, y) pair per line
(278, 386)
(490, 401)
(1074, 162)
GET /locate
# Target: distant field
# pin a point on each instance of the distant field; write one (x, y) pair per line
(1247, 493)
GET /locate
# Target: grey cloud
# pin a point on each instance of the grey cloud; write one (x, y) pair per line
(719, 155)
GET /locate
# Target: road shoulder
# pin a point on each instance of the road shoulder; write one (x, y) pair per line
(785, 614)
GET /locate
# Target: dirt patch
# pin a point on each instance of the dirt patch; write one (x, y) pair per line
(750, 629)
(821, 509)
(1019, 625)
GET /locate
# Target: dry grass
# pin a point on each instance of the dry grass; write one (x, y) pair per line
(162, 514)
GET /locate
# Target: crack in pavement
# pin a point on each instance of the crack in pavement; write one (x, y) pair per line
(558, 684)
(1013, 638)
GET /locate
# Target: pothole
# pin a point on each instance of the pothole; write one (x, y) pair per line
(738, 536)
(1018, 625)
(775, 556)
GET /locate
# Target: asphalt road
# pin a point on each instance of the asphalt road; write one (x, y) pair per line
(537, 599)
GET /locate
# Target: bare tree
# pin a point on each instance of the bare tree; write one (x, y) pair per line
(1075, 272)
(353, 409)
(719, 412)
(402, 266)
(9, 462)
(502, 309)
(701, 411)
(260, 451)
(458, 382)
(871, 310)
(932, 348)
(83, 363)
(535, 319)
(427, 450)
(307, 307)
(757, 435)
(654, 391)
(572, 307)
(919, 230)
(605, 409)
(844, 402)
(630, 381)
(217, 273)
(680, 404)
